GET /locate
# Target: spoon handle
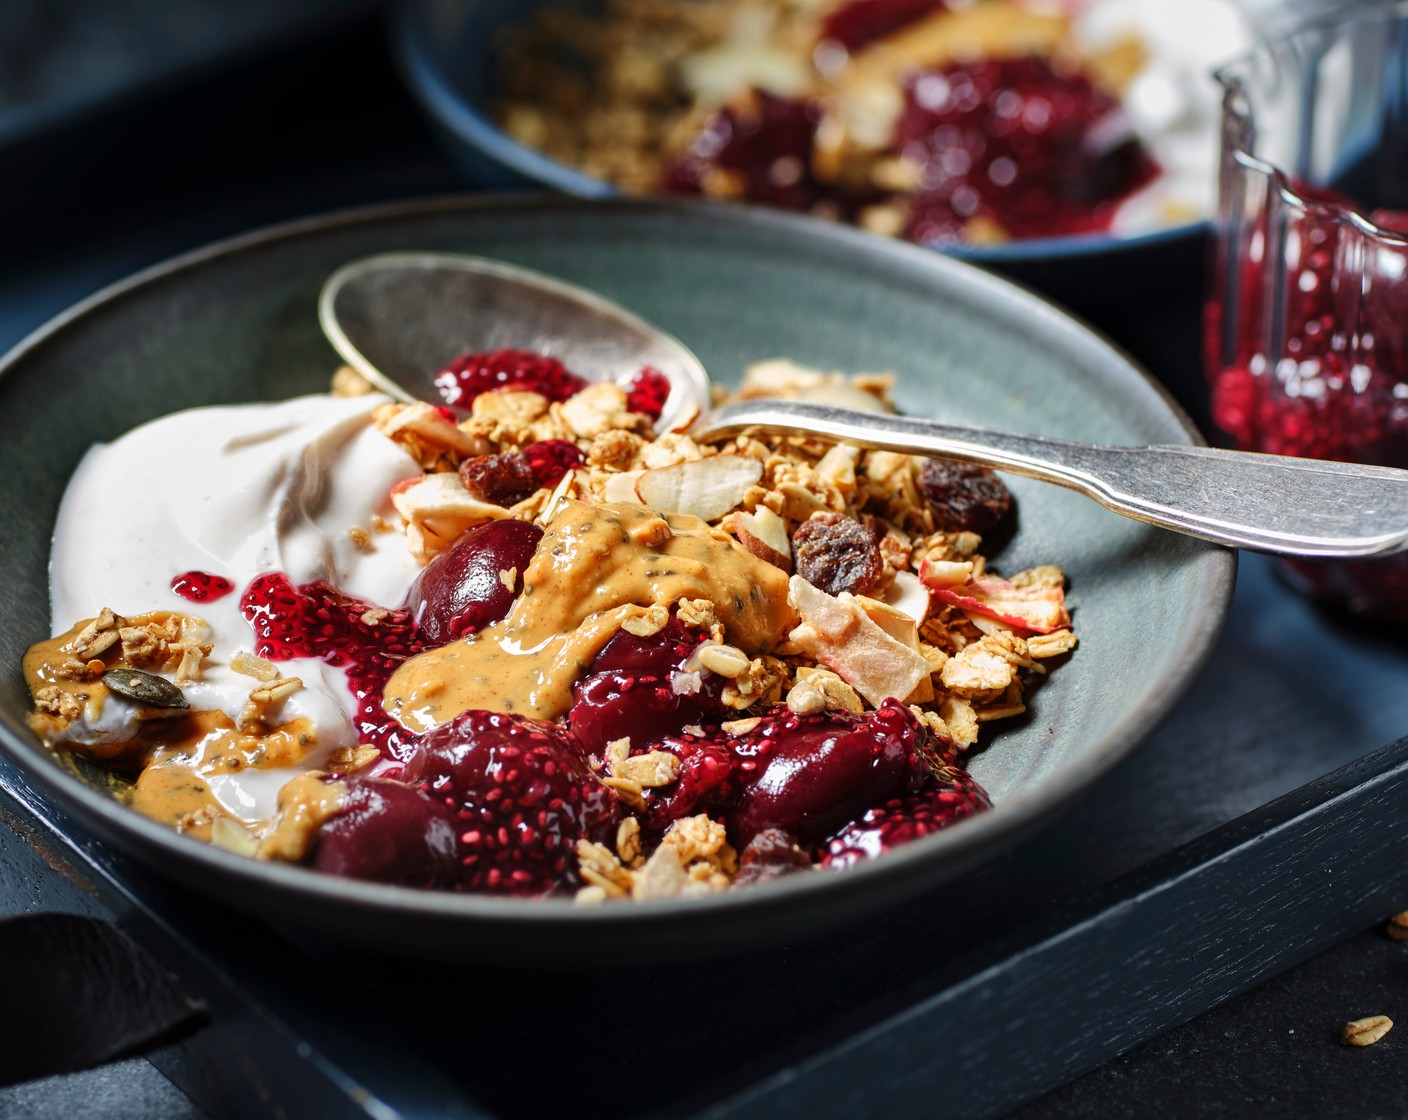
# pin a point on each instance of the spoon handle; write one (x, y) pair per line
(1271, 503)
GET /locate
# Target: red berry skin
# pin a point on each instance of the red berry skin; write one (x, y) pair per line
(903, 819)
(627, 690)
(521, 796)
(861, 22)
(461, 591)
(815, 774)
(387, 832)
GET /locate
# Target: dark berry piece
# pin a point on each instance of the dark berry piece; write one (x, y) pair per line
(504, 479)
(815, 773)
(771, 854)
(550, 459)
(388, 832)
(629, 690)
(1036, 150)
(763, 145)
(907, 817)
(648, 392)
(462, 590)
(524, 370)
(712, 766)
(837, 553)
(861, 22)
(963, 496)
(521, 796)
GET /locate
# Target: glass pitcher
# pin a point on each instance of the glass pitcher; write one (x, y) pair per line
(1306, 339)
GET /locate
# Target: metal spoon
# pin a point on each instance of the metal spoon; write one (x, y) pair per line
(398, 318)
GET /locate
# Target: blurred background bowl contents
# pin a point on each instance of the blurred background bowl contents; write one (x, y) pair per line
(1307, 321)
(941, 121)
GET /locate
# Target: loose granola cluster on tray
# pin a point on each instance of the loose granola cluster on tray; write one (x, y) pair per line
(630, 665)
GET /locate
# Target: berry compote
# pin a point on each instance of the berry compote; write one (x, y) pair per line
(1026, 148)
(1036, 151)
(317, 620)
(201, 587)
(526, 370)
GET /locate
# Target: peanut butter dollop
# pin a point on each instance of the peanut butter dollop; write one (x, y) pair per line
(596, 567)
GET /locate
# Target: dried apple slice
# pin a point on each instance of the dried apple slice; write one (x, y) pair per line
(706, 488)
(1037, 609)
(836, 630)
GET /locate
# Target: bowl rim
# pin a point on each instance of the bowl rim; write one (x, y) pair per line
(431, 87)
(940, 855)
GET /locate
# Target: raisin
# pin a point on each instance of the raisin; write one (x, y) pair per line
(837, 553)
(504, 479)
(964, 496)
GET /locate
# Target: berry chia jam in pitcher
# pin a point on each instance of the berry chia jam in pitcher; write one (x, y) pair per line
(1307, 318)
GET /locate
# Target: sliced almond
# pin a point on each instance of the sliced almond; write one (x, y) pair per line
(621, 487)
(705, 488)
(764, 534)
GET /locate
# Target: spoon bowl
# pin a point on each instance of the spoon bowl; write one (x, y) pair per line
(400, 318)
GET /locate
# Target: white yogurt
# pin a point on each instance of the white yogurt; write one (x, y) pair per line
(237, 491)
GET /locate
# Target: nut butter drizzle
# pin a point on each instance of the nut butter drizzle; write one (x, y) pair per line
(596, 567)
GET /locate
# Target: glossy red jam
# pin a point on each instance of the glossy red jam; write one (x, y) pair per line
(317, 620)
(201, 587)
(471, 374)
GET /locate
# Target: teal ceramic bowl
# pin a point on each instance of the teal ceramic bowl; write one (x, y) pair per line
(238, 322)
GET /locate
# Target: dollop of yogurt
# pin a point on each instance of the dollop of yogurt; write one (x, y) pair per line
(237, 491)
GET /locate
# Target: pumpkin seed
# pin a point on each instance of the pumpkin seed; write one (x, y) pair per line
(145, 688)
